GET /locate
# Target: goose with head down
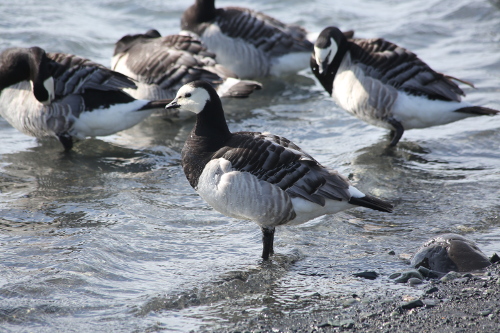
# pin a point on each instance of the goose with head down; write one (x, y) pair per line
(67, 97)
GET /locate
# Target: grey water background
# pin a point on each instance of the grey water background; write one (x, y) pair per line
(111, 238)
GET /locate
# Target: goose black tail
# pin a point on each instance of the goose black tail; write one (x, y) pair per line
(373, 203)
(478, 110)
(158, 104)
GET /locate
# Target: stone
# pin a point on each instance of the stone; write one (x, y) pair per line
(404, 276)
(450, 252)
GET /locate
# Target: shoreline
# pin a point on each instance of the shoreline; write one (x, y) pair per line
(468, 303)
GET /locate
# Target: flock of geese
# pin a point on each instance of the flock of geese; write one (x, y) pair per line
(219, 53)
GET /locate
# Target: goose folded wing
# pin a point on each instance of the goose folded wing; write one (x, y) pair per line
(402, 69)
(75, 75)
(280, 162)
(262, 31)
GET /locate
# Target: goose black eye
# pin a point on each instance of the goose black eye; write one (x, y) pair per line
(187, 95)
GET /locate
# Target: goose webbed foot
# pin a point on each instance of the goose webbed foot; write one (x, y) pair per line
(267, 242)
(397, 133)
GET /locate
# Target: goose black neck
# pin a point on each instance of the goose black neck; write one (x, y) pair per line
(201, 11)
(211, 122)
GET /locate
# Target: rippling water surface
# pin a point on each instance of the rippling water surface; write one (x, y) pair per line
(112, 238)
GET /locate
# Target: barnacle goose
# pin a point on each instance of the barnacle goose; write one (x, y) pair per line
(258, 176)
(161, 65)
(387, 85)
(65, 96)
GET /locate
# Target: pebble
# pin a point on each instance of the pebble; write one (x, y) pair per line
(485, 312)
(414, 281)
(431, 290)
(430, 303)
(345, 323)
(429, 273)
(412, 305)
(404, 276)
(370, 275)
(450, 276)
(349, 302)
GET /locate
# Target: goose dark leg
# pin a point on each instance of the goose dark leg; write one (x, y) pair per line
(267, 242)
(397, 132)
(66, 140)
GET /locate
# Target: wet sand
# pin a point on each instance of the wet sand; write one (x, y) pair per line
(468, 303)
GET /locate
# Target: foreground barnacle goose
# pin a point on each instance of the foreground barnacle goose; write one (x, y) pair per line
(258, 176)
(65, 96)
(249, 43)
(387, 85)
(161, 65)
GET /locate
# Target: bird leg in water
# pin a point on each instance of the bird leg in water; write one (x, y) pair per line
(267, 242)
(397, 132)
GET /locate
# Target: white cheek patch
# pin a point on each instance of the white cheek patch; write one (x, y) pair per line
(195, 102)
(327, 54)
(49, 86)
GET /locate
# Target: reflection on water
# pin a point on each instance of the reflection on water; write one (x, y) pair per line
(111, 237)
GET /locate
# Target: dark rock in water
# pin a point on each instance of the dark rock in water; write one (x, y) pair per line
(367, 275)
(450, 252)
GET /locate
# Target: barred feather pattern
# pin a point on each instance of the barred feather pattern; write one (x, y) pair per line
(264, 32)
(161, 65)
(402, 69)
(278, 161)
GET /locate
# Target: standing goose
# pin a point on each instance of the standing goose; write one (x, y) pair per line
(387, 85)
(65, 96)
(258, 176)
(161, 65)
(249, 43)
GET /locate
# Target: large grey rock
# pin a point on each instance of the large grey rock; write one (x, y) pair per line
(450, 252)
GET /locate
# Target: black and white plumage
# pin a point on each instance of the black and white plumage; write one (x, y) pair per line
(249, 43)
(65, 96)
(258, 176)
(387, 85)
(161, 65)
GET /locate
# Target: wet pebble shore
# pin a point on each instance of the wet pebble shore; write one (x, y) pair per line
(453, 303)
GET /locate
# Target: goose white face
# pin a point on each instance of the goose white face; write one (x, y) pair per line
(324, 56)
(48, 84)
(190, 98)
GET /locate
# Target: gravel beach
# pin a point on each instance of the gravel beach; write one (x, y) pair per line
(459, 303)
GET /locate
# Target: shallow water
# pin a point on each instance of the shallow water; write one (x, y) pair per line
(112, 238)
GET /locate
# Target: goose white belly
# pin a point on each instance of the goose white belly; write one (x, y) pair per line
(107, 121)
(420, 112)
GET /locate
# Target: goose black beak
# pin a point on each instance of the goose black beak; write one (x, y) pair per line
(173, 105)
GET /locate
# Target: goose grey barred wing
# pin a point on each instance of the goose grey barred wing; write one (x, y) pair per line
(76, 75)
(172, 61)
(262, 31)
(280, 162)
(396, 66)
